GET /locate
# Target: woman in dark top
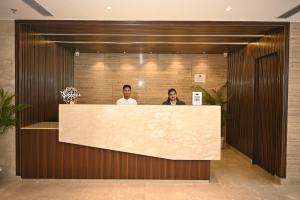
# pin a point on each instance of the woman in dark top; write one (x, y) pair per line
(172, 98)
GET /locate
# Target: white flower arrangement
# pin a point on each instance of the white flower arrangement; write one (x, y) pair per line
(70, 95)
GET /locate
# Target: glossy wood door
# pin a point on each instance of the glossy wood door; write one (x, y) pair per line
(268, 112)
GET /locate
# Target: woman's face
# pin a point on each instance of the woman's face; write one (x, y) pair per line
(172, 96)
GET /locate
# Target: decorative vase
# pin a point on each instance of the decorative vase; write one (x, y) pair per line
(70, 95)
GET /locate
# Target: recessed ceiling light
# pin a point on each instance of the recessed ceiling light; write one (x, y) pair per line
(141, 58)
(228, 8)
(108, 7)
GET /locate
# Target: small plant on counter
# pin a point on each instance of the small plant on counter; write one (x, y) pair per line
(8, 110)
(216, 97)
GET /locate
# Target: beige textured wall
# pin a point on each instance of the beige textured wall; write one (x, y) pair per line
(7, 81)
(99, 77)
(293, 134)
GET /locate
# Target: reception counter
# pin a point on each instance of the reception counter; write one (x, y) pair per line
(123, 142)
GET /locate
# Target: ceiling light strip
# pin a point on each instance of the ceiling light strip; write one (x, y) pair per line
(145, 35)
(128, 43)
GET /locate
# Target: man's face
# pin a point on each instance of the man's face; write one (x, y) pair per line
(127, 92)
(172, 96)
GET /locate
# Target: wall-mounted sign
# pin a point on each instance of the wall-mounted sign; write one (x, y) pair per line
(199, 78)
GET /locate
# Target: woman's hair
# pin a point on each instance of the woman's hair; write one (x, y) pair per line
(172, 90)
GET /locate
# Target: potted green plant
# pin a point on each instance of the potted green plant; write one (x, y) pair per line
(216, 97)
(8, 110)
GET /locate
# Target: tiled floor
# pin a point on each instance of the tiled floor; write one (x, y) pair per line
(233, 178)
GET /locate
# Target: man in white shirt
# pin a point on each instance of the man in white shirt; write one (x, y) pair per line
(126, 100)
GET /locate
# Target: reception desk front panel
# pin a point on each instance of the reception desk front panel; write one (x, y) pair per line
(44, 157)
(169, 132)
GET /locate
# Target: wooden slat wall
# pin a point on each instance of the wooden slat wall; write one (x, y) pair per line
(45, 157)
(241, 65)
(293, 134)
(158, 29)
(100, 77)
(42, 70)
(268, 112)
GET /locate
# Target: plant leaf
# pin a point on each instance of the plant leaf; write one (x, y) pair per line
(216, 97)
(207, 97)
(8, 110)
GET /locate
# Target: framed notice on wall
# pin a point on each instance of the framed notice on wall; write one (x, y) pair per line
(199, 78)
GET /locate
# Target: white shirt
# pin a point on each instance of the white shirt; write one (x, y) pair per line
(124, 101)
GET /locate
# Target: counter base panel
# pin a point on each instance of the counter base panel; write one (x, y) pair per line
(42, 156)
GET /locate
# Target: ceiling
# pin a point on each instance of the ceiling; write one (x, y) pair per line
(154, 10)
(157, 26)
(151, 37)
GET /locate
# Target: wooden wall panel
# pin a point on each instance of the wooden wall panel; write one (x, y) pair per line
(100, 77)
(293, 134)
(45, 157)
(241, 74)
(42, 70)
(268, 112)
(153, 31)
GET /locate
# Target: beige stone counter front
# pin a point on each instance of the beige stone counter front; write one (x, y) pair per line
(170, 132)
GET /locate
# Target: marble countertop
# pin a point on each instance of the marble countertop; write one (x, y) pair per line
(42, 125)
(170, 132)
